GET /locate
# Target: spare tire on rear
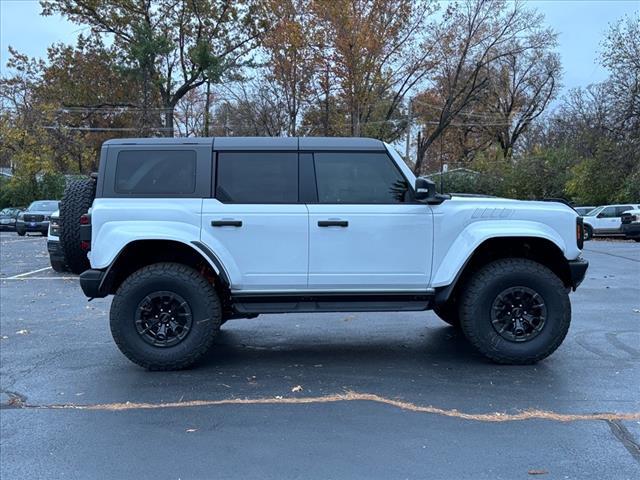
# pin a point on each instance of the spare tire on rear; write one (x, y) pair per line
(76, 201)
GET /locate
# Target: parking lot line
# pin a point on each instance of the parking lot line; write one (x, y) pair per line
(23, 279)
(22, 240)
(20, 275)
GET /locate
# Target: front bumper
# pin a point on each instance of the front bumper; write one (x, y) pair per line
(631, 230)
(9, 225)
(578, 270)
(42, 227)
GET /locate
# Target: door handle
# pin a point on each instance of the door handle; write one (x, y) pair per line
(226, 223)
(333, 223)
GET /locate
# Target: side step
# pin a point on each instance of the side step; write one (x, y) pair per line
(332, 302)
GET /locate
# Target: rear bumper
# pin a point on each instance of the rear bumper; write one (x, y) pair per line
(578, 269)
(92, 283)
(631, 230)
(55, 250)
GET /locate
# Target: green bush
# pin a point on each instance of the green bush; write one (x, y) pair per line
(20, 191)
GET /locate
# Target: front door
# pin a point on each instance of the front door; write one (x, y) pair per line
(255, 224)
(365, 231)
(607, 221)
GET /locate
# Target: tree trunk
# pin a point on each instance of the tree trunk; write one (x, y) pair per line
(168, 120)
(326, 102)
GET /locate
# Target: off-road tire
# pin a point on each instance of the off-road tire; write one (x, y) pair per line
(193, 288)
(449, 313)
(588, 232)
(482, 289)
(76, 201)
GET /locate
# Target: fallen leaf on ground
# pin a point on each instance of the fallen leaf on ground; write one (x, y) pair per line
(191, 430)
(297, 388)
(22, 332)
(4, 337)
(537, 472)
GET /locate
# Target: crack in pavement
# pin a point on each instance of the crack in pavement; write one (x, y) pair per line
(346, 397)
(624, 436)
(611, 255)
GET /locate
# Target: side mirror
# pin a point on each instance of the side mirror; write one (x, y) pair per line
(426, 192)
(600, 215)
(425, 189)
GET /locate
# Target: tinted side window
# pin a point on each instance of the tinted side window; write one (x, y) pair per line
(621, 210)
(359, 178)
(609, 212)
(257, 177)
(148, 172)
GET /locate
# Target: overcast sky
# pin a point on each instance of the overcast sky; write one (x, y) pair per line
(581, 25)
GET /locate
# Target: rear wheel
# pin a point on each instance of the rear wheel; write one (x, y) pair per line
(588, 232)
(165, 316)
(76, 201)
(515, 311)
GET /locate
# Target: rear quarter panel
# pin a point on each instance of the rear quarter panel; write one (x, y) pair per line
(115, 222)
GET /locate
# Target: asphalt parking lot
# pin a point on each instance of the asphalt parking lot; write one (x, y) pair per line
(326, 396)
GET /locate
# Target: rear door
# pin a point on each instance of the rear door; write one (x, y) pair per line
(255, 224)
(365, 231)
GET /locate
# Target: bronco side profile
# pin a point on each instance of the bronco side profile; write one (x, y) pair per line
(189, 233)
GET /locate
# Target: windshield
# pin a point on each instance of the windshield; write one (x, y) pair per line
(5, 211)
(43, 206)
(593, 212)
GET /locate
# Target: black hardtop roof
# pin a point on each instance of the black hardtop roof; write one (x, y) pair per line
(260, 143)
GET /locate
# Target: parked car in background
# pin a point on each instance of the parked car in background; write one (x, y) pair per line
(56, 253)
(583, 210)
(36, 217)
(8, 218)
(605, 220)
(631, 224)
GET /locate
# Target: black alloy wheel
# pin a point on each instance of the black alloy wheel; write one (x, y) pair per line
(518, 314)
(163, 319)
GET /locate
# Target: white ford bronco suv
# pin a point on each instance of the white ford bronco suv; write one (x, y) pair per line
(189, 233)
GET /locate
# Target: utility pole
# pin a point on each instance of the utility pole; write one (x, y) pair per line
(207, 106)
(441, 167)
(409, 120)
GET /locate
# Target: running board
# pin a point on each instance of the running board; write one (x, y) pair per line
(332, 302)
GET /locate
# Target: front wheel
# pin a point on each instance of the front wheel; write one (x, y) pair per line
(515, 311)
(165, 316)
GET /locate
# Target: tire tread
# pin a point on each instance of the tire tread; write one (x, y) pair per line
(473, 291)
(181, 273)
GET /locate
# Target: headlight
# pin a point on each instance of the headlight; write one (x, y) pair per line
(55, 223)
